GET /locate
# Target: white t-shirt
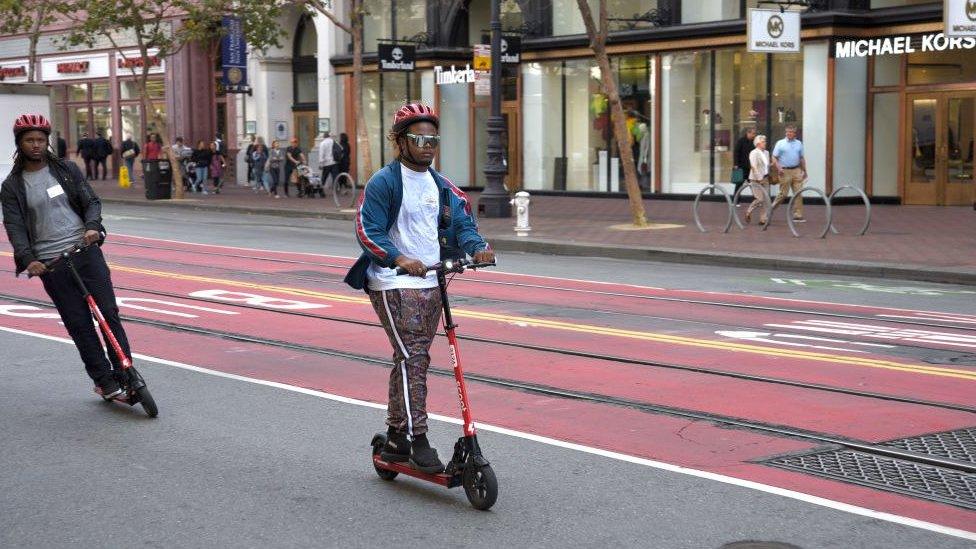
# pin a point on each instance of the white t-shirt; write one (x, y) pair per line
(325, 152)
(414, 234)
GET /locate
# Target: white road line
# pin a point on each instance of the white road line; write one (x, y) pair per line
(800, 496)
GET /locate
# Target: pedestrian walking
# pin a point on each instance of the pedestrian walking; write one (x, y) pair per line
(741, 159)
(792, 169)
(86, 150)
(248, 160)
(759, 167)
(411, 217)
(343, 161)
(130, 150)
(276, 157)
(217, 165)
(62, 146)
(103, 150)
(259, 158)
(48, 207)
(154, 147)
(293, 157)
(201, 158)
(327, 160)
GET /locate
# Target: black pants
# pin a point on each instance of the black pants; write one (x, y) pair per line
(103, 163)
(288, 169)
(327, 171)
(89, 168)
(77, 318)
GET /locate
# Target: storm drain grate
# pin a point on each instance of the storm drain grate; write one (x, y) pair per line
(883, 473)
(959, 444)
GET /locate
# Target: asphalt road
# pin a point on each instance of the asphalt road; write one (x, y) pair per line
(234, 464)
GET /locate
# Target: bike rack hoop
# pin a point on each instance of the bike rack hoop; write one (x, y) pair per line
(728, 202)
(867, 208)
(789, 211)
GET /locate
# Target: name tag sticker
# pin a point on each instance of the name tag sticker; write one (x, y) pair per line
(55, 191)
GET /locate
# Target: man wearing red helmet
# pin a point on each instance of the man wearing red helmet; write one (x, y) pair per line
(48, 207)
(411, 216)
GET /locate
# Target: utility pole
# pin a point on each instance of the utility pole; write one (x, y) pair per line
(494, 199)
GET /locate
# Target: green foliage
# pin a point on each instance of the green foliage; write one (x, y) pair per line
(169, 25)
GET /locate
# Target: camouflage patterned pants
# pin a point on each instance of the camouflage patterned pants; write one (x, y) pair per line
(410, 318)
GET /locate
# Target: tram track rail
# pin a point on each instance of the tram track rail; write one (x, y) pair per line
(743, 306)
(819, 438)
(612, 359)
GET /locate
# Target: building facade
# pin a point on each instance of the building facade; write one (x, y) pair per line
(882, 99)
(94, 90)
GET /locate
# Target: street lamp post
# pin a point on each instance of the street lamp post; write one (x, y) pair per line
(494, 200)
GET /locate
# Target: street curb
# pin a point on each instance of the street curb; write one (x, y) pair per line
(338, 215)
(666, 255)
(695, 257)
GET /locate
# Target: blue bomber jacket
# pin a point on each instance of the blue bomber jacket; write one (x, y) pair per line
(379, 207)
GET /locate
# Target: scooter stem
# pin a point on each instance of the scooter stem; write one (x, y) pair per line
(449, 327)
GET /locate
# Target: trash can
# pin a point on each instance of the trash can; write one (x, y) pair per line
(158, 177)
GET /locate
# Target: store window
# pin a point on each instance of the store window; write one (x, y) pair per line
(941, 67)
(305, 66)
(685, 121)
(566, 17)
(388, 19)
(99, 91)
(696, 11)
(78, 92)
(382, 94)
(479, 19)
(132, 121)
(454, 156)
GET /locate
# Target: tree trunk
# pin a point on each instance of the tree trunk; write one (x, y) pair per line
(362, 136)
(609, 83)
(35, 35)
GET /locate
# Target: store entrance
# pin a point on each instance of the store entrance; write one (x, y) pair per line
(510, 140)
(306, 126)
(939, 148)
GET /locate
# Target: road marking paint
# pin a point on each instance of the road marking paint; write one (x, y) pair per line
(969, 375)
(753, 485)
(880, 332)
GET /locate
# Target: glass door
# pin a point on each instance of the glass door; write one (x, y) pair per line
(939, 159)
(306, 128)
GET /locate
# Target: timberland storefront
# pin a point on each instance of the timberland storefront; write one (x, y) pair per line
(887, 109)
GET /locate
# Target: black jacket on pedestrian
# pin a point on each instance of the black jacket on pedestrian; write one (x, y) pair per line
(743, 147)
(62, 148)
(130, 144)
(202, 157)
(103, 148)
(86, 147)
(19, 220)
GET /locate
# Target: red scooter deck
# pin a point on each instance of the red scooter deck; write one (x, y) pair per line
(440, 478)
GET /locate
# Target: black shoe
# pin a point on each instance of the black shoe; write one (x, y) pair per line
(108, 387)
(397, 447)
(424, 458)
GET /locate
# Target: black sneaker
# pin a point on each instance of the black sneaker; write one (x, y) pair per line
(397, 447)
(424, 458)
(108, 387)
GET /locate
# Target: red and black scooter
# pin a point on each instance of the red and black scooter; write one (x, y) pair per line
(468, 467)
(134, 387)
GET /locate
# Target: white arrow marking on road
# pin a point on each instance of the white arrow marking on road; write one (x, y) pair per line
(128, 302)
(26, 311)
(765, 337)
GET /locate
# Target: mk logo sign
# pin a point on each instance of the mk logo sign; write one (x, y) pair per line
(971, 10)
(775, 26)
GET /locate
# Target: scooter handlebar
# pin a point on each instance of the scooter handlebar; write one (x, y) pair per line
(451, 266)
(50, 263)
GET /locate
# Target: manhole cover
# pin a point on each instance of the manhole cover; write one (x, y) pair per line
(883, 473)
(959, 445)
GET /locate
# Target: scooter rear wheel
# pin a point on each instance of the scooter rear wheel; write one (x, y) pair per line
(480, 485)
(146, 399)
(378, 442)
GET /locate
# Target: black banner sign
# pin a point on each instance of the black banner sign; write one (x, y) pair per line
(397, 57)
(511, 50)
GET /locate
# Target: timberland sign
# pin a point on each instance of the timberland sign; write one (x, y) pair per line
(773, 31)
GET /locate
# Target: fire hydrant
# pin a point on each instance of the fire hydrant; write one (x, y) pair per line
(521, 203)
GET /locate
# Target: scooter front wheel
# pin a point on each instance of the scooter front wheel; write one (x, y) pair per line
(146, 399)
(480, 485)
(378, 442)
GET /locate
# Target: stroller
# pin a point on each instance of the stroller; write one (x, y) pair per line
(309, 183)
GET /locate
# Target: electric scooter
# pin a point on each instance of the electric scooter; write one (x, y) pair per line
(134, 386)
(468, 467)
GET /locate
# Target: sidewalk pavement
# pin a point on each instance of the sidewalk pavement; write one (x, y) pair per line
(935, 244)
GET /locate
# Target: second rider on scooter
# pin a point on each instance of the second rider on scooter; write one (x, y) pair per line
(410, 216)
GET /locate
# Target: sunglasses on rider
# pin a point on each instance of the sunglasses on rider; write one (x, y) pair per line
(424, 140)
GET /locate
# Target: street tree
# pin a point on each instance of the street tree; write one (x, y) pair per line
(597, 32)
(30, 17)
(166, 27)
(354, 28)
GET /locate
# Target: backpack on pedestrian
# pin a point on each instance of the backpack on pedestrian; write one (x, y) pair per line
(338, 153)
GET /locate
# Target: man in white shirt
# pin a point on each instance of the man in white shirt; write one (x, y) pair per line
(326, 160)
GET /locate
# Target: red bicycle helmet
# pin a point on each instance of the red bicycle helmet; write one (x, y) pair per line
(28, 122)
(412, 113)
